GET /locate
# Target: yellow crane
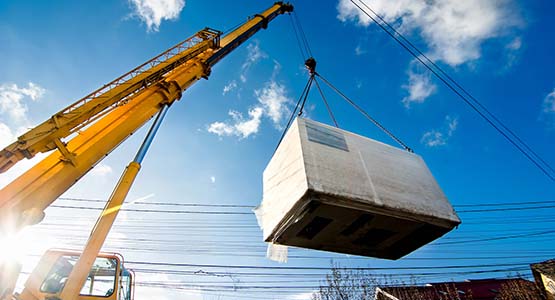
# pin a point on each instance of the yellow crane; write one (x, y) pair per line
(79, 137)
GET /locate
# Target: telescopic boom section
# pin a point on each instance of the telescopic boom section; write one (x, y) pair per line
(46, 136)
(98, 123)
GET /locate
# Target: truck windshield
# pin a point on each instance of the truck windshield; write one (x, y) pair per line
(100, 281)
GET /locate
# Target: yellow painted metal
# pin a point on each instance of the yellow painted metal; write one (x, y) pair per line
(41, 185)
(9, 271)
(96, 125)
(78, 275)
(32, 289)
(46, 136)
(22, 202)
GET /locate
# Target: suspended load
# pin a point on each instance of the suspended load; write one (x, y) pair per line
(329, 189)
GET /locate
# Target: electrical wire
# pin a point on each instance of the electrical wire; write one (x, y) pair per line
(160, 203)
(519, 203)
(474, 105)
(157, 210)
(459, 87)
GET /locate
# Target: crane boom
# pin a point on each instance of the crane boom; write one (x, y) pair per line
(106, 117)
(46, 136)
(93, 127)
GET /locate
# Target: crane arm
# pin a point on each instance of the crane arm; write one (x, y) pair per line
(105, 118)
(97, 124)
(47, 135)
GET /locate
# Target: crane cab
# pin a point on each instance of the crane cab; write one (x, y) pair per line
(108, 279)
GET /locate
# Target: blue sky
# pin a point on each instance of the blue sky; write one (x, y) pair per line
(217, 140)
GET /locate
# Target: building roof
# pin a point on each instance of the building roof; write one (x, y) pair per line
(547, 267)
(483, 289)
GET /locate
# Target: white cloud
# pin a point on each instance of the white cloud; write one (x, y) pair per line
(273, 98)
(515, 44)
(302, 296)
(12, 99)
(239, 126)
(144, 292)
(359, 51)
(548, 109)
(101, 170)
(440, 137)
(153, 12)
(453, 30)
(254, 55)
(452, 124)
(213, 179)
(512, 52)
(6, 135)
(433, 138)
(272, 103)
(13, 109)
(419, 87)
(229, 87)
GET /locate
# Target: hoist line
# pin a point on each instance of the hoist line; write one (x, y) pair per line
(363, 112)
(460, 87)
(313, 73)
(293, 113)
(299, 44)
(469, 103)
(310, 80)
(303, 35)
(326, 103)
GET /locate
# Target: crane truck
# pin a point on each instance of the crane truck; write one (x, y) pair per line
(80, 136)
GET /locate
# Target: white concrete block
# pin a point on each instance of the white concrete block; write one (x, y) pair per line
(333, 190)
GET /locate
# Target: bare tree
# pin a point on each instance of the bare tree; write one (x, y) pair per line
(519, 290)
(343, 284)
(348, 284)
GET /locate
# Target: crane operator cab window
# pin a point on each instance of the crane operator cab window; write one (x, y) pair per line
(126, 280)
(100, 281)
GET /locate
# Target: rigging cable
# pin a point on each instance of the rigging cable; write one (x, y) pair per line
(460, 94)
(310, 80)
(326, 103)
(311, 67)
(305, 90)
(302, 34)
(299, 44)
(363, 112)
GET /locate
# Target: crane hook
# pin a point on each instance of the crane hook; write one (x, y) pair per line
(310, 65)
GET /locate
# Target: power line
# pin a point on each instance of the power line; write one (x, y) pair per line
(75, 199)
(157, 210)
(161, 203)
(507, 203)
(498, 238)
(472, 102)
(505, 209)
(459, 86)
